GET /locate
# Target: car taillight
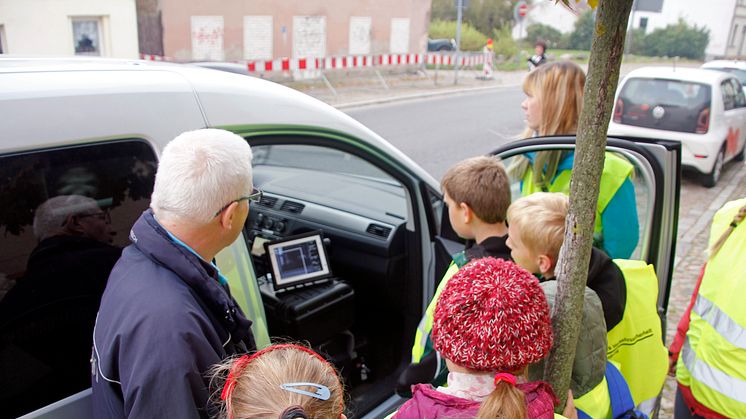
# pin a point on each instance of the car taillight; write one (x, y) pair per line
(618, 111)
(703, 121)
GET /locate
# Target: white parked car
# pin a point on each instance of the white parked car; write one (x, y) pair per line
(737, 68)
(705, 110)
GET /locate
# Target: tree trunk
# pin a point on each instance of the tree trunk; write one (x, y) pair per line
(574, 257)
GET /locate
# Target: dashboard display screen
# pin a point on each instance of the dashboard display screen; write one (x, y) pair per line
(298, 259)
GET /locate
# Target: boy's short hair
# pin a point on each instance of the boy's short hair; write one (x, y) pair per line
(540, 220)
(481, 183)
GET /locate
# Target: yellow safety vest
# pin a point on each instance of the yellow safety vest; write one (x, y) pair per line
(713, 358)
(616, 171)
(635, 345)
(597, 402)
(422, 334)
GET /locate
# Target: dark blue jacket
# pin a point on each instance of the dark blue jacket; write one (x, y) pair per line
(164, 321)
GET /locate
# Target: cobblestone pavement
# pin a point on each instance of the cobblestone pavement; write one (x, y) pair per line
(697, 203)
(697, 206)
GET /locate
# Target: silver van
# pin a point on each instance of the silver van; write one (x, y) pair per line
(95, 128)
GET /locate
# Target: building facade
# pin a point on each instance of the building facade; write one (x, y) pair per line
(736, 46)
(106, 28)
(237, 30)
(725, 20)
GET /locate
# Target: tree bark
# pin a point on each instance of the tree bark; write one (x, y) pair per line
(572, 267)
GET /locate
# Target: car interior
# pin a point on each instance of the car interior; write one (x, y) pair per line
(362, 317)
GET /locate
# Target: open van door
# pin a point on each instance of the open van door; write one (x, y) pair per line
(656, 180)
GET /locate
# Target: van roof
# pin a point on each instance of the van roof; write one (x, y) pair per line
(51, 100)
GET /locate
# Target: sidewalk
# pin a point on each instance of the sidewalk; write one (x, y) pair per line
(366, 88)
(348, 89)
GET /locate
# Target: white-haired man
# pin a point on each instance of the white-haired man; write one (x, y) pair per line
(167, 315)
(65, 276)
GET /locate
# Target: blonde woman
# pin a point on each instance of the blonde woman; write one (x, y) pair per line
(285, 381)
(554, 98)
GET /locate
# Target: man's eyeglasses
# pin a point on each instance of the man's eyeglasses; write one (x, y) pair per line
(103, 216)
(255, 196)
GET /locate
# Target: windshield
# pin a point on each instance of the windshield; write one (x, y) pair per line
(317, 158)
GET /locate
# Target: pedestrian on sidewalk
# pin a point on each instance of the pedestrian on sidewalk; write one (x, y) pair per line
(708, 354)
(539, 57)
(554, 99)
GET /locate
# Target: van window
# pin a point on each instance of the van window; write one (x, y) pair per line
(670, 105)
(65, 217)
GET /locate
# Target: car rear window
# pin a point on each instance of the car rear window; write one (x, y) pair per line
(670, 105)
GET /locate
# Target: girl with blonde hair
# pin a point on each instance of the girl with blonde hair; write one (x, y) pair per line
(554, 99)
(284, 381)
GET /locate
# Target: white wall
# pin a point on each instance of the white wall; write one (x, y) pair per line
(44, 26)
(716, 15)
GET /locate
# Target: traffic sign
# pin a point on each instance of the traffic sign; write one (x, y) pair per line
(520, 11)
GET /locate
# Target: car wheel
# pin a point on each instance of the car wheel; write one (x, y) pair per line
(711, 179)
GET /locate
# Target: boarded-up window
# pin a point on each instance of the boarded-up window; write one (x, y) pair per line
(360, 35)
(257, 37)
(309, 36)
(399, 43)
(207, 38)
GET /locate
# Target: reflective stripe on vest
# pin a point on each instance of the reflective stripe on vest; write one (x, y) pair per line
(636, 343)
(596, 403)
(726, 327)
(616, 170)
(422, 345)
(713, 377)
(713, 359)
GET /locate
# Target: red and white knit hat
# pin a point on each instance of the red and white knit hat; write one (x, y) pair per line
(492, 316)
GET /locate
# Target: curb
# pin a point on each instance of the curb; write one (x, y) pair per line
(415, 96)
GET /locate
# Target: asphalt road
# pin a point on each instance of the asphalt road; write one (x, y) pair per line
(438, 132)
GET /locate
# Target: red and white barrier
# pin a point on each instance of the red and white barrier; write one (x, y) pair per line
(151, 57)
(350, 61)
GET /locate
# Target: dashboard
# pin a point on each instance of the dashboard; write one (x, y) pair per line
(360, 216)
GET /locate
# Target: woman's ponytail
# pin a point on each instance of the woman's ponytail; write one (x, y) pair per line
(505, 401)
(740, 215)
